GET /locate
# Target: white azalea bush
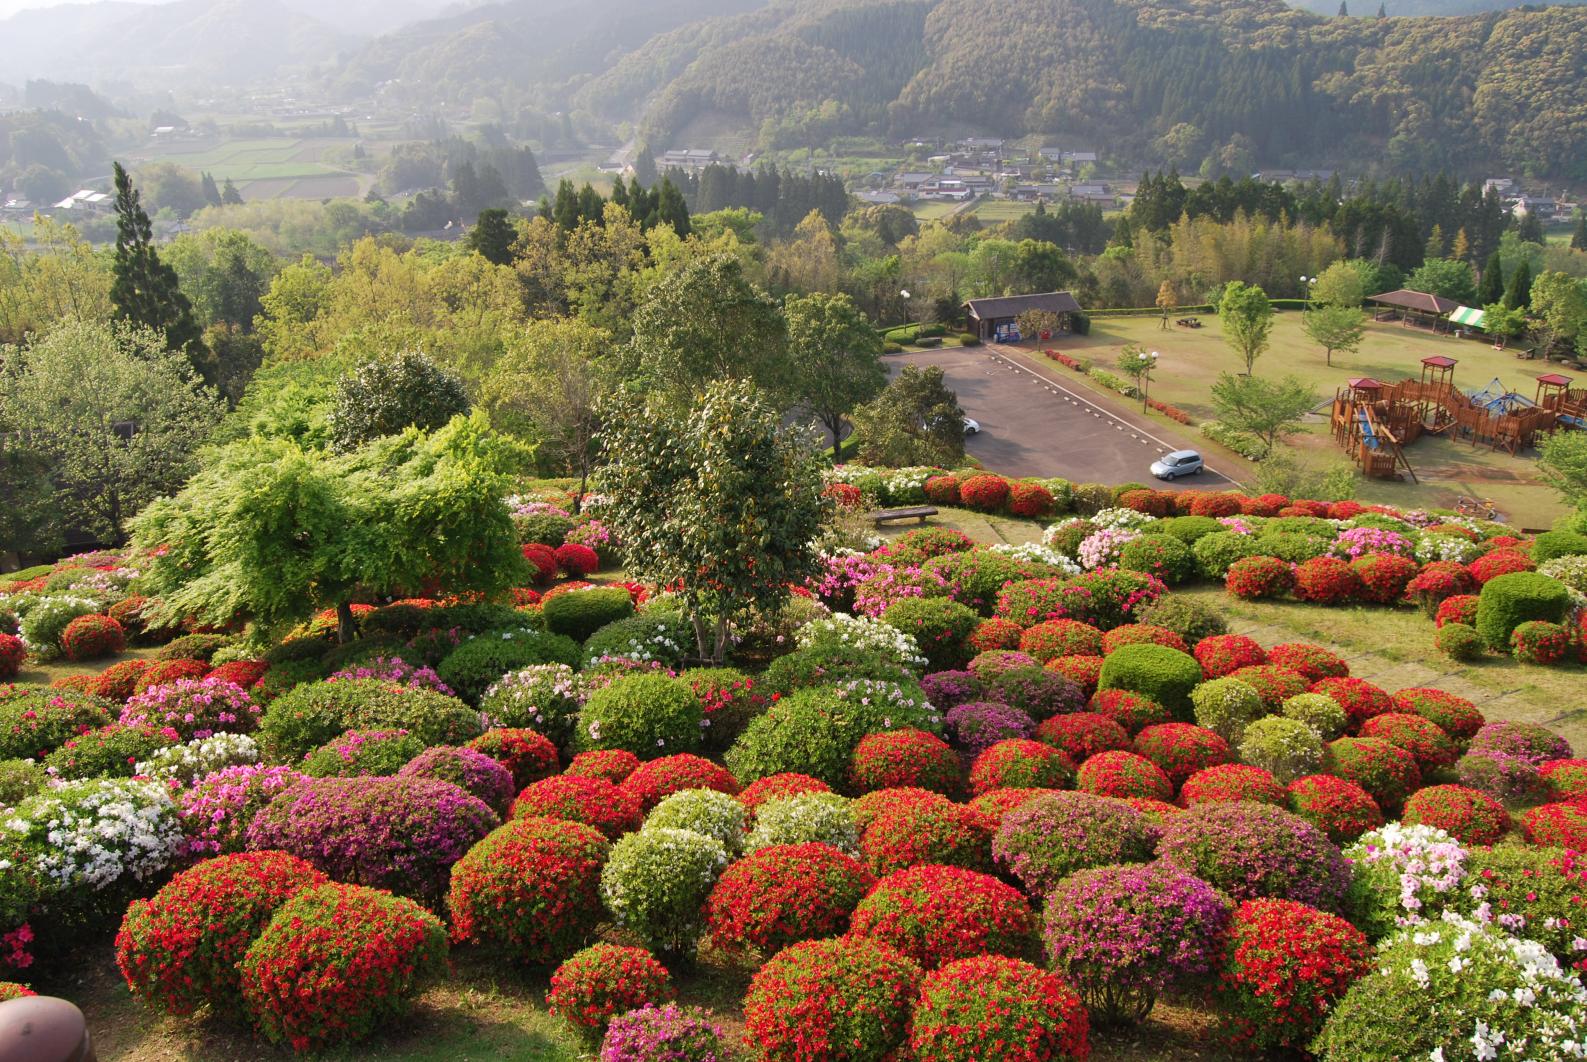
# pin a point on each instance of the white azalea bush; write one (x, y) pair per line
(806, 818)
(1402, 876)
(656, 882)
(862, 633)
(704, 811)
(543, 697)
(194, 760)
(1036, 553)
(1454, 990)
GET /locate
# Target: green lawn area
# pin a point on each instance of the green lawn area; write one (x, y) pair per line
(932, 209)
(993, 211)
(263, 158)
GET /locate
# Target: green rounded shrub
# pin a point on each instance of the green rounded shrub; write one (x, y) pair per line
(663, 637)
(704, 811)
(1286, 748)
(1460, 641)
(548, 529)
(1226, 706)
(1191, 529)
(656, 883)
(940, 627)
(472, 667)
(648, 715)
(1165, 675)
(815, 731)
(1164, 556)
(821, 664)
(1215, 552)
(1507, 601)
(313, 713)
(19, 779)
(1551, 544)
(580, 613)
(357, 753)
(1294, 548)
(1192, 620)
(1321, 713)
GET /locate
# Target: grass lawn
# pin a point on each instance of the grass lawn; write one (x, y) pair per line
(257, 159)
(993, 211)
(932, 209)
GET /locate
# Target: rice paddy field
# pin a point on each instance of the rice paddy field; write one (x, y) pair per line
(268, 167)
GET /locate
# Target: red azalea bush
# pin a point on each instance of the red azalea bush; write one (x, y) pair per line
(1181, 749)
(91, 637)
(180, 949)
(779, 786)
(1386, 771)
(1221, 655)
(1338, 807)
(1384, 576)
(12, 653)
(592, 801)
(1133, 711)
(1258, 578)
(994, 1007)
(1469, 815)
(1228, 782)
(1139, 634)
(575, 561)
(1327, 581)
(1061, 637)
(530, 890)
(655, 780)
(1360, 699)
(614, 765)
(544, 561)
(167, 672)
(997, 803)
(1437, 582)
(783, 894)
(1456, 716)
(1557, 825)
(1103, 598)
(1020, 763)
(11, 990)
(841, 998)
(1564, 779)
(1460, 609)
(1535, 642)
(994, 634)
(1312, 661)
(1284, 965)
(937, 914)
(244, 673)
(337, 962)
(1227, 504)
(1273, 684)
(870, 807)
(1084, 671)
(942, 490)
(1123, 774)
(1030, 500)
(117, 681)
(847, 495)
(907, 757)
(908, 834)
(1422, 738)
(527, 755)
(985, 493)
(1151, 502)
(604, 980)
(1081, 735)
(1499, 562)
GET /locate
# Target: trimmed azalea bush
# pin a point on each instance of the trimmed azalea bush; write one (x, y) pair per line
(194, 708)
(1537, 892)
(545, 697)
(1402, 875)
(604, 980)
(1061, 637)
(1082, 735)
(1340, 808)
(846, 997)
(978, 725)
(313, 713)
(806, 818)
(1165, 675)
(1543, 643)
(527, 755)
(648, 715)
(530, 890)
(1500, 774)
(1284, 966)
(1468, 815)
(1224, 654)
(362, 752)
(905, 758)
(1259, 578)
(1123, 774)
(479, 662)
(939, 914)
(1383, 769)
(1123, 935)
(12, 653)
(656, 883)
(706, 811)
(92, 636)
(1459, 642)
(1163, 556)
(993, 1006)
(1327, 581)
(1384, 577)
(1251, 851)
(1142, 634)
(166, 672)
(1360, 699)
(1507, 601)
(1046, 839)
(112, 751)
(1021, 763)
(1564, 778)
(1132, 711)
(907, 834)
(940, 627)
(655, 780)
(1036, 691)
(179, 950)
(338, 961)
(1529, 741)
(592, 801)
(473, 772)
(815, 731)
(1191, 619)
(783, 894)
(1433, 749)
(1226, 706)
(1321, 713)
(777, 786)
(580, 613)
(1231, 782)
(1557, 825)
(671, 1032)
(1286, 748)
(1181, 749)
(398, 833)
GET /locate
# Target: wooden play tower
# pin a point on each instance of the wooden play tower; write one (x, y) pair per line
(1373, 430)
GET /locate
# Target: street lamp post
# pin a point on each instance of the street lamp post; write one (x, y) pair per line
(1305, 288)
(1146, 380)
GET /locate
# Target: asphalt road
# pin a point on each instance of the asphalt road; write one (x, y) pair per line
(1034, 426)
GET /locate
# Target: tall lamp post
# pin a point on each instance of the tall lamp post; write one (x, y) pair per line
(1305, 288)
(1148, 364)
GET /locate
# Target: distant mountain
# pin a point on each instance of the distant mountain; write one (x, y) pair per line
(188, 41)
(1418, 8)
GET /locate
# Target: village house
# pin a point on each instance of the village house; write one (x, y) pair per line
(996, 319)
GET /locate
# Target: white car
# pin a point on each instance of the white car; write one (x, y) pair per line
(1179, 463)
(972, 427)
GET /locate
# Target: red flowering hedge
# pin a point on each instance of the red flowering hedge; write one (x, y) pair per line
(1462, 609)
(908, 834)
(1557, 826)
(1133, 711)
(1031, 500)
(1386, 771)
(942, 490)
(1123, 774)
(1497, 563)
(1142, 634)
(1564, 779)
(527, 754)
(1223, 654)
(338, 961)
(611, 809)
(655, 780)
(1469, 815)
(994, 1007)
(1081, 735)
(1312, 661)
(1257, 578)
(91, 637)
(1457, 716)
(870, 807)
(543, 559)
(994, 634)
(1338, 807)
(12, 653)
(604, 980)
(845, 997)
(1326, 581)
(165, 672)
(781, 895)
(1360, 699)
(1020, 763)
(1422, 738)
(1215, 505)
(1384, 576)
(1181, 749)
(846, 495)
(116, 682)
(1273, 684)
(1437, 582)
(1061, 637)
(614, 765)
(1264, 505)
(907, 757)
(1228, 782)
(1150, 502)
(778, 786)
(1536, 642)
(244, 673)
(937, 914)
(576, 561)
(180, 949)
(985, 493)
(997, 803)
(530, 890)
(1085, 671)
(1284, 964)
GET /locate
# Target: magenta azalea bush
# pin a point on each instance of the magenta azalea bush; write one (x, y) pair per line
(1256, 851)
(217, 811)
(194, 708)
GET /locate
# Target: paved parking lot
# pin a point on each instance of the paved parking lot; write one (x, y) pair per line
(1033, 426)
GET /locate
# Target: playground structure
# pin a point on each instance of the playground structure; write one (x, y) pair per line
(1374, 421)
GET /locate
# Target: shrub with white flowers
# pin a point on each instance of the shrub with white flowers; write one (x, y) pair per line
(47, 617)
(185, 763)
(1453, 990)
(543, 697)
(1445, 547)
(655, 884)
(704, 811)
(1572, 571)
(1036, 553)
(1402, 876)
(907, 486)
(803, 819)
(841, 630)
(1122, 519)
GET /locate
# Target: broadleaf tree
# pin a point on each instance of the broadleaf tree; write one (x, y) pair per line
(1269, 410)
(717, 499)
(916, 420)
(835, 358)
(708, 322)
(1247, 318)
(1335, 328)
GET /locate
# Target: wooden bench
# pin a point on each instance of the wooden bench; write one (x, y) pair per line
(914, 512)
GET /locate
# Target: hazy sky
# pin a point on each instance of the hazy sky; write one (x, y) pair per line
(11, 7)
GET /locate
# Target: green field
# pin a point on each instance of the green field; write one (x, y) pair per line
(265, 167)
(994, 211)
(932, 209)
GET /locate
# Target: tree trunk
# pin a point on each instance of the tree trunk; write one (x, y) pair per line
(346, 630)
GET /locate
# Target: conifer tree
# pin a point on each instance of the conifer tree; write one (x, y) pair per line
(1491, 288)
(145, 291)
(229, 196)
(211, 192)
(492, 236)
(1578, 239)
(1518, 296)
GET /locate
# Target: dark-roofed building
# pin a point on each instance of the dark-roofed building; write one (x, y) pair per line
(996, 318)
(1415, 307)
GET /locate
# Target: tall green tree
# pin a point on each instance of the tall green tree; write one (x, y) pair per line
(716, 498)
(492, 236)
(1491, 288)
(229, 196)
(1445, 277)
(115, 417)
(1334, 328)
(835, 357)
(272, 532)
(387, 396)
(916, 420)
(1341, 284)
(1562, 457)
(1270, 410)
(708, 322)
(1247, 319)
(1578, 236)
(145, 291)
(1559, 308)
(1518, 293)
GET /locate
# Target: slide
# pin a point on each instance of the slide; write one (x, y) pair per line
(1368, 435)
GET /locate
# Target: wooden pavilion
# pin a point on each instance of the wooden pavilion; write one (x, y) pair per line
(1414, 308)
